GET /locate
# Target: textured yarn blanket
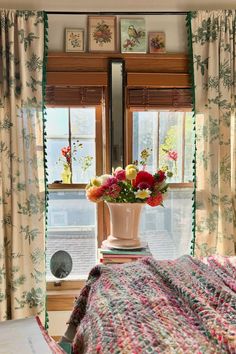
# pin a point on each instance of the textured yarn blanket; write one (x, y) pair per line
(150, 306)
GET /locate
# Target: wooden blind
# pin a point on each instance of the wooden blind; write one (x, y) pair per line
(159, 98)
(73, 95)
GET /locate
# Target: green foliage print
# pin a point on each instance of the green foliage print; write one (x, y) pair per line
(29, 235)
(33, 205)
(35, 63)
(32, 298)
(27, 40)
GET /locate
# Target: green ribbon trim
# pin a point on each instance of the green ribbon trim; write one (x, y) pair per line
(45, 59)
(191, 72)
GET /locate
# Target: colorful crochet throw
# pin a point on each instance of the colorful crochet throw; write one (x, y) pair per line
(150, 306)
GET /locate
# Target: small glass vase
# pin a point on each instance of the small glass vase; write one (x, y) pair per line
(66, 174)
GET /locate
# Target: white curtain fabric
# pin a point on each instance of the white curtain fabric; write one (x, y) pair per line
(22, 191)
(214, 64)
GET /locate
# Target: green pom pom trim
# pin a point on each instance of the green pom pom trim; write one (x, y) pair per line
(191, 72)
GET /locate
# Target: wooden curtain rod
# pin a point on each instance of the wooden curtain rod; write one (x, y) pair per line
(115, 13)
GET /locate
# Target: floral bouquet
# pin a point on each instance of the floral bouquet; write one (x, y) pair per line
(130, 185)
(67, 155)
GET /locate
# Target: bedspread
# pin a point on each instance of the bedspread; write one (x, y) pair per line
(150, 306)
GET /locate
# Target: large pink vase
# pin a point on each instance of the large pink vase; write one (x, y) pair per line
(124, 225)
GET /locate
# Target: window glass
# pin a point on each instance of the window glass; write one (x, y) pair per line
(73, 127)
(72, 228)
(168, 229)
(163, 133)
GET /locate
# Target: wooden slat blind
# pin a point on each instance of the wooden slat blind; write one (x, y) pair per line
(169, 98)
(73, 95)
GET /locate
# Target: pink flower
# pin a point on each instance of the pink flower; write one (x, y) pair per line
(110, 181)
(113, 191)
(172, 155)
(120, 175)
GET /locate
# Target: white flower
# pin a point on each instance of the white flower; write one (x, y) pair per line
(142, 193)
(104, 178)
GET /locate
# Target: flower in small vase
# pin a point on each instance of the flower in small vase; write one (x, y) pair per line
(173, 155)
(68, 154)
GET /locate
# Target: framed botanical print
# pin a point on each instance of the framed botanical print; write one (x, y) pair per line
(156, 42)
(74, 40)
(133, 35)
(101, 33)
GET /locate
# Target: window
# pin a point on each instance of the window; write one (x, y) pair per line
(72, 220)
(167, 230)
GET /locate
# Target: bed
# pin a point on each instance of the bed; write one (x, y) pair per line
(149, 306)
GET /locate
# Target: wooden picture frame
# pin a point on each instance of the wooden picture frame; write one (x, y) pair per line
(102, 34)
(133, 35)
(74, 40)
(156, 42)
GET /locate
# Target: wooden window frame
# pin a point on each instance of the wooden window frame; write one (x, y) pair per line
(65, 285)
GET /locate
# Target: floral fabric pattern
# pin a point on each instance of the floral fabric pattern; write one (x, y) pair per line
(22, 191)
(214, 65)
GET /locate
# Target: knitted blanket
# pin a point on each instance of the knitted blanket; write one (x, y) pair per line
(150, 306)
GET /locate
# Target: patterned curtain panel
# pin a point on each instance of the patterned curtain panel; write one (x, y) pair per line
(213, 39)
(22, 190)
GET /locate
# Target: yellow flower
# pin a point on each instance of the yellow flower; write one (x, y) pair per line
(131, 172)
(95, 182)
(142, 193)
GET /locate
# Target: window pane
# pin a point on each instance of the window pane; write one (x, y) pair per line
(55, 166)
(168, 230)
(80, 173)
(171, 134)
(82, 122)
(57, 124)
(163, 132)
(145, 135)
(72, 228)
(189, 147)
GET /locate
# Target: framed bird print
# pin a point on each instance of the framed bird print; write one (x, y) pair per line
(133, 35)
(101, 33)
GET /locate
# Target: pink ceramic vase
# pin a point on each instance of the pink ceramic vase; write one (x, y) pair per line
(124, 225)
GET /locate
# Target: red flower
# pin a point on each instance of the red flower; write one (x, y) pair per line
(155, 200)
(160, 176)
(65, 151)
(144, 177)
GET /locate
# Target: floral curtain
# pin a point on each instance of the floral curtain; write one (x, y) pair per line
(213, 40)
(22, 187)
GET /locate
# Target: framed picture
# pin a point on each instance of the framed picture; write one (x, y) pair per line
(133, 35)
(101, 33)
(156, 42)
(74, 40)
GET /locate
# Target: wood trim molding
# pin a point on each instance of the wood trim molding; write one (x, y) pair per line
(158, 80)
(96, 62)
(61, 300)
(77, 78)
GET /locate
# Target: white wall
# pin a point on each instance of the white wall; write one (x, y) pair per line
(172, 25)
